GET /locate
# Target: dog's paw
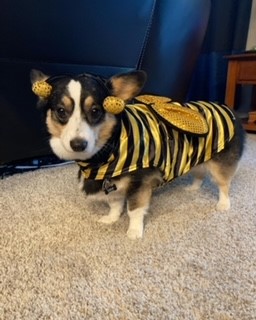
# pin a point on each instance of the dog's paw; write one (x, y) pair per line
(134, 234)
(195, 186)
(223, 205)
(192, 187)
(108, 219)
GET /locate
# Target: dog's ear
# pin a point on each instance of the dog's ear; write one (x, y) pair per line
(127, 85)
(37, 75)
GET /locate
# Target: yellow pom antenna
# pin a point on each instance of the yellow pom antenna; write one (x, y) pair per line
(113, 105)
(42, 89)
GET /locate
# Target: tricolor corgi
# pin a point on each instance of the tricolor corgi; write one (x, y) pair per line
(126, 145)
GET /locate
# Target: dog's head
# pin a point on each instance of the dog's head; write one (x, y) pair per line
(78, 124)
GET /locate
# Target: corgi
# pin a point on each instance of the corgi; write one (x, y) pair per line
(127, 148)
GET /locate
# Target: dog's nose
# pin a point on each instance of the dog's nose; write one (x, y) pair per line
(78, 144)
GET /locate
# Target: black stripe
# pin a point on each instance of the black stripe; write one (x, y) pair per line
(227, 109)
(141, 142)
(162, 129)
(152, 146)
(112, 165)
(225, 123)
(180, 142)
(215, 131)
(93, 173)
(131, 142)
(195, 143)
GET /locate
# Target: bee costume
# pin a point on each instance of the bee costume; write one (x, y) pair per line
(155, 132)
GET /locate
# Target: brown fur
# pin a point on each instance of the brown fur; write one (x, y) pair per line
(88, 102)
(67, 103)
(54, 127)
(106, 130)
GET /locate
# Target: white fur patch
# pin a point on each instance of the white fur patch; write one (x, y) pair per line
(75, 90)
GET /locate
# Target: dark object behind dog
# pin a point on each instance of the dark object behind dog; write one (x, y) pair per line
(105, 144)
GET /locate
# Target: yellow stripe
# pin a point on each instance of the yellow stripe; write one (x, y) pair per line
(201, 148)
(188, 148)
(153, 125)
(209, 137)
(135, 132)
(230, 125)
(189, 157)
(205, 144)
(144, 137)
(145, 158)
(122, 152)
(166, 165)
(191, 106)
(221, 133)
(184, 155)
(219, 125)
(175, 153)
(201, 140)
(154, 128)
(103, 169)
(87, 173)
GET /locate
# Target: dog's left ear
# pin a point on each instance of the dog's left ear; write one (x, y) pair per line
(39, 85)
(37, 75)
(127, 85)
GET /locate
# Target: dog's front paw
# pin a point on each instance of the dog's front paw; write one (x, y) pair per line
(109, 219)
(192, 187)
(134, 234)
(223, 205)
(196, 185)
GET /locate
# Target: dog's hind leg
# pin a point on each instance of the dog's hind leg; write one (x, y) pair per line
(198, 174)
(222, 175)
(224, 165)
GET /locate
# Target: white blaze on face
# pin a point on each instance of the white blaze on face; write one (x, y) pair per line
(77, 127)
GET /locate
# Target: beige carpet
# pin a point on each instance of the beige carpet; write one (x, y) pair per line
(58, 262)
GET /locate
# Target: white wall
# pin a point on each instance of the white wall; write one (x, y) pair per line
(251, 39)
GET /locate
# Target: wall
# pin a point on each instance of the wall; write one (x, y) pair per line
(251, 39)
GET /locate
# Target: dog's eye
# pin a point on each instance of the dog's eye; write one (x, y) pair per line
(61, 113)
(96, 113)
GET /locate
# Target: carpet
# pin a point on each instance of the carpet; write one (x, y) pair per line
(58, 262)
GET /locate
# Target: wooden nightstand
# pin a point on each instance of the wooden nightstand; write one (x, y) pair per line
(242, 70)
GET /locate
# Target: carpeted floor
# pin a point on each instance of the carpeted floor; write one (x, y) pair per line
(58, 262)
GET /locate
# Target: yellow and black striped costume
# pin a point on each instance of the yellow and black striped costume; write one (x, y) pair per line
(147, 140)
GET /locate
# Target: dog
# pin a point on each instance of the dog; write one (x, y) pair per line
(120, 168)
